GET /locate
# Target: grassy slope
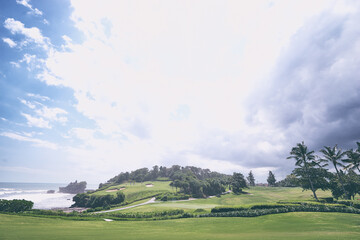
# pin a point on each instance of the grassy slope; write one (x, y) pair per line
(139, 190)
(279, 226)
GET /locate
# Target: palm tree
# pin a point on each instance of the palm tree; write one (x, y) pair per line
(304, 160)
(334, 155)
(353, 160)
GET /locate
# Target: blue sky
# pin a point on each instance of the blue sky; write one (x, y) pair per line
(89, 89)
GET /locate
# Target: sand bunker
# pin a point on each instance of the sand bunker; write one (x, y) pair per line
(149, 185)
(112, 190)
(115, 189)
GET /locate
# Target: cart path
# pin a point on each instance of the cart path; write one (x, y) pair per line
(123, 208)
(152, 200)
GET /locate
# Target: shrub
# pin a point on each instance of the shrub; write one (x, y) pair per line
(199, 210)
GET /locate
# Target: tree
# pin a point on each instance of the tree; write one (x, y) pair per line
(251, 179)
(213, 187)
(289, 181)
(238, 183)
(353, 159)
(351, 182)
(120, 197)
(320, 178)
(271, 179)
(306, 161)
(334, 155)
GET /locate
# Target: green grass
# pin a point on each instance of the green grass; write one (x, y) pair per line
(278, 226)
(258, 195)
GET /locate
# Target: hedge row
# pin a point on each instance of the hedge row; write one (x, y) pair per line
(283, 209)
(241, 208)
(144, 214)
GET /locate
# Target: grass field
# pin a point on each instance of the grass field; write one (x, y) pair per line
(258, 195)
(278, 226)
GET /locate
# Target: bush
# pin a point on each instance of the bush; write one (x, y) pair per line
(326, 200)
(199, 210)
(15, 205)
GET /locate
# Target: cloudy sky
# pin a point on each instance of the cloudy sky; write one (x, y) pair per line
(92, 88)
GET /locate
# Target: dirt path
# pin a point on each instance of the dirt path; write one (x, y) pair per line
(136, 205)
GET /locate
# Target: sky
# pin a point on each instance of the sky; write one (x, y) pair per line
(89, 89)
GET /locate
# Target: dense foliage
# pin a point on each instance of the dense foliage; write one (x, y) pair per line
(158, 173)
(93, 201)
(188, 183)
(15, 205)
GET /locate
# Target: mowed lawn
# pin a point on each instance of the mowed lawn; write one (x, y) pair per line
(278, 226)
(257, 195)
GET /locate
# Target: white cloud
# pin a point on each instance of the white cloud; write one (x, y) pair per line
(36, 122)
(52, 114)
(27, 103)
(10, 42)
(37, 142)
(161, 82)
(26, 3)
(42, 98)
(15, 64)
(32, 62)
(32, 34)
(44, 114)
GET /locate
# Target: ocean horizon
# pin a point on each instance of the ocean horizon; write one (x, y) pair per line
(37, 193)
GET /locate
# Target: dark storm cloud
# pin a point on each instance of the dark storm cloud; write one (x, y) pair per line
(313, 95)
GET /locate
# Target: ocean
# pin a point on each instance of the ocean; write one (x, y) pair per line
(37, 193)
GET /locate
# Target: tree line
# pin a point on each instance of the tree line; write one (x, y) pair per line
(160, 173)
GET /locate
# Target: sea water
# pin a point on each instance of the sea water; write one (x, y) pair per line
(37, 193)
